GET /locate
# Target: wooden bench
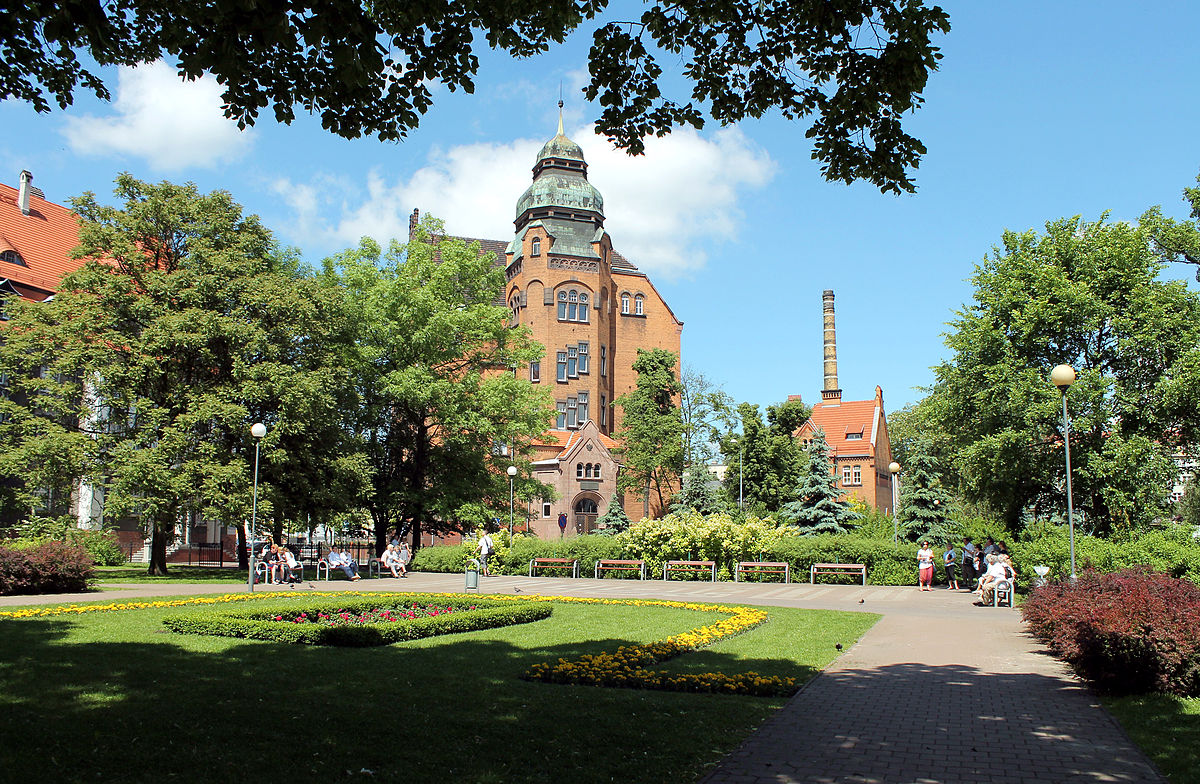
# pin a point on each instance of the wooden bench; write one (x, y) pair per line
(554, 563)
(836, 568)
(608, 565)
(690, 566)
(762, 567)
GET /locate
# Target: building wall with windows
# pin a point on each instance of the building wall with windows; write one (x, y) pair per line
(592, 309)
(859, 447)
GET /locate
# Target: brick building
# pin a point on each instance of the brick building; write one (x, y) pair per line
(856, 431)
(592, 309)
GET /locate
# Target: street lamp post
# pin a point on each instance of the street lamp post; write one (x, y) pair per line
(512, 472)
(258, 430)
(1063, 376)
(895, 469)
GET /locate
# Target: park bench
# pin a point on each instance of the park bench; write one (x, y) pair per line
(836, 568)
(263, 571)
(1002, 592)
(690, 566)
(323, 564)
(377, 568)
(607, 565)
(762, 567)
(554, 563)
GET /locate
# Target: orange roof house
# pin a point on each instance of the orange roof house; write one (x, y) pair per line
(36, 237)
(856, 431)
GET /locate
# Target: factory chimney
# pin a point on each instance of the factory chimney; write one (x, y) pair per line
(830, 394)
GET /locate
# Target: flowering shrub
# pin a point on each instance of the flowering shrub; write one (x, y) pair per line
(1132, 631)
(50, 567)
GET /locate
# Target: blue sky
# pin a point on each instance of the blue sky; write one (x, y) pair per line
(1039, 111)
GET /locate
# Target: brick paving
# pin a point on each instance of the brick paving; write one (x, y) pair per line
(937, 692)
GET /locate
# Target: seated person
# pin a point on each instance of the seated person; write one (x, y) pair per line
(343, 561)
(391, 561)
(996, 571)
(274, 561)
(288, 565)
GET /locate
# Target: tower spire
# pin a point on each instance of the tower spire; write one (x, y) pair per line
(560, 108)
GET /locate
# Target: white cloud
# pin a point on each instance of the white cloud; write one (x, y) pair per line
(171, 123)
(662, 209)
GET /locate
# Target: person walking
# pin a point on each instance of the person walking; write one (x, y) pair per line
(950, 562)
(925, 566)
(968, 562)
(486, 548)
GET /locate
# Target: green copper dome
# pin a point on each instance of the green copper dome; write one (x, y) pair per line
(560, 180)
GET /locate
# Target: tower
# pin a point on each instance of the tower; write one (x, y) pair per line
(830, 391)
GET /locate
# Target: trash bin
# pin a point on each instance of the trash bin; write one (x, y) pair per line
(472, 574)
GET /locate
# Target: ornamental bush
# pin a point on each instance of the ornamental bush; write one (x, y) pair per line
(260, 622)
(1129, 632)
(50, 567)
(1172, 550)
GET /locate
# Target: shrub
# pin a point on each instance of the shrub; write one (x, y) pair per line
(102, 546)
(1171, 550)
(259, 623)
(1131, 631)
(50, 567)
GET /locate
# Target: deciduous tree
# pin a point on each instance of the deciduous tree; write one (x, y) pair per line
(652, 429)
(368, 67)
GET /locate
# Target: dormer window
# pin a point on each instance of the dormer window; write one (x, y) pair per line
(12, 257)
(535, 247)
(854, 436)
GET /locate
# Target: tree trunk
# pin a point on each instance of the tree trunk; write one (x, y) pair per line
(158, 551)
(416, 535)
(243, 554)
(381, 530)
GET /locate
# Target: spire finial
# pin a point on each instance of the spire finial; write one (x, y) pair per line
(560, 108)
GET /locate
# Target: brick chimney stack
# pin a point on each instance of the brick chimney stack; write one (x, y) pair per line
(413, 220)
(830, 392)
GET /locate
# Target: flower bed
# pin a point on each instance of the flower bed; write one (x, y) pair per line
(359, 622)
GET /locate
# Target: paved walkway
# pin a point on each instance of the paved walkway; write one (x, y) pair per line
(938, 692)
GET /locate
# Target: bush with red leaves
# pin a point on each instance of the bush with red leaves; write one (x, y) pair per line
(1129, 632)
(53, 567)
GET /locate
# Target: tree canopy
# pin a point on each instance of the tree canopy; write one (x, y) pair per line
(1086, 294)
(440, 416)
(183, 326)
(652, 429)
(368, 67)
(764, 460)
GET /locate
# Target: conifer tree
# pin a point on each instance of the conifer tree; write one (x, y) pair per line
(614, 520)
(696, 493)
(923, 509)
(816, 508)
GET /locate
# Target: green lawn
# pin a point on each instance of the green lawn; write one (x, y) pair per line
(1167, 729)
(178, 574)
(113, 697)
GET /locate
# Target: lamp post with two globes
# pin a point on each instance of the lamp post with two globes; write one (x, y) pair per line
(1063, 376)
(258, 430)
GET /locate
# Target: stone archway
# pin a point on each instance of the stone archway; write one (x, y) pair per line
(584, 510)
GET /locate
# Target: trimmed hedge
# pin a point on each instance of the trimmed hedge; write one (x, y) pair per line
(49, 567)
(887, 563)
(1129, 632)
(259, 624)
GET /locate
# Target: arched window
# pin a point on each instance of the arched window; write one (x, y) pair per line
(579, 471)
(572, 305)
(624, 303)
(535, 247)
(596, 473)
(587, 471)
(583, 307)
(639, 303)
(12, 257)
(562, 306)
(586, 506)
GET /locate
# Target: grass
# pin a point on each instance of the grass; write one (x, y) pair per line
(178, 574)
(112, 696)
(1167, 729)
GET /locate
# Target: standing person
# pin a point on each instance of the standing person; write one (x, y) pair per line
(925, 566)
(405, 556)
(989, 548)
(486, 548)
(950, 562)
(968, 562)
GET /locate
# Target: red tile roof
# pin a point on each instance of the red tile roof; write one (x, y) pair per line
(565, 439)
(43, 238)
(846, 418)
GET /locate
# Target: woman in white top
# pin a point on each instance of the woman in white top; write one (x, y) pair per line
(391, 559)
(925, 566)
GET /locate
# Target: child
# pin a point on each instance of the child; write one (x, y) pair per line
(950, 561)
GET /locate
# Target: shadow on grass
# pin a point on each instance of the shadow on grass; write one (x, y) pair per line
(77, 709)
(1168, 730)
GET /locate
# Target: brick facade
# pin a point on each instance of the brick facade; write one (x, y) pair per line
(592, 309)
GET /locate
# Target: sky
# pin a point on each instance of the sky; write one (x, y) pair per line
(1038, 111)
